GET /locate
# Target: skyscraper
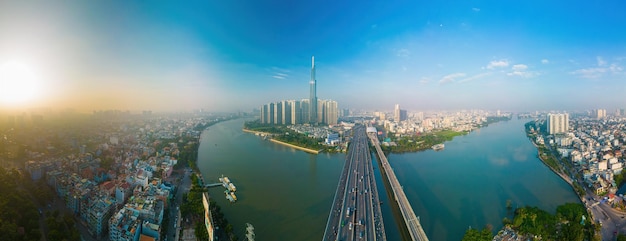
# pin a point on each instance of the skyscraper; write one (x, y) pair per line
(599, 113)
(558, 123)
(313, 94)
(399, 114)
(396, 113)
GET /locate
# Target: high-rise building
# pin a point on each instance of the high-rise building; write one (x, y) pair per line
(396, 113)
(313, 94)
(311, 110)
(270, 113)
(599, 113)
(558, 123)
(399, 114)
(296, 112)
(264, 114)
(332, 112)
(291, 112)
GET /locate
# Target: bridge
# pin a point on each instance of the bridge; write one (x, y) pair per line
(356, 213)
(218, 184)
(412, 222)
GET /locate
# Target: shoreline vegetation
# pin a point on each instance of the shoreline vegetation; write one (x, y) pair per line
(401, 143)
(283, 135)
(416, 143)
(570, 223)
(552, 162)
(192, 200)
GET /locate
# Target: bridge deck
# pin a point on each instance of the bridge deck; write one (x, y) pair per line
(356, 213)
(412, 222)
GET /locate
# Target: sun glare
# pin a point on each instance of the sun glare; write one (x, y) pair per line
(19, 83)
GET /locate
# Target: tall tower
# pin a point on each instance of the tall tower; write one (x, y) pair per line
(313, 94)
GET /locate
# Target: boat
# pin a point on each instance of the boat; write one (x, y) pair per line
(224, 180)
(438, 147)
(230, 196)
(232, 187)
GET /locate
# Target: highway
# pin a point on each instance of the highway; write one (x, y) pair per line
(355, 212)
(412, 222)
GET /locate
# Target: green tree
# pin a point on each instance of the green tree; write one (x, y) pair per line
(475, 235)
(571, 232)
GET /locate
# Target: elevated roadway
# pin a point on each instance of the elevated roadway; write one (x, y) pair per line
(412, 222)
(356, 213)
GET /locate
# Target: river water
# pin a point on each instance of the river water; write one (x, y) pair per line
(286, 194)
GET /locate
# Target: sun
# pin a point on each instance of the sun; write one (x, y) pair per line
(19, 83)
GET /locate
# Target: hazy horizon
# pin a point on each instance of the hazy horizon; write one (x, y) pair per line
(228, 56)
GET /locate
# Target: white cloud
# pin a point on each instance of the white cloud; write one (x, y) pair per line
(520, 67)
(498, 64)
(404, 53)
(475, 77)
(280, 75)
(601, 62)
(600, 71)
(615, 68)
(476, 9)
(521, 70)
(590, 73)
(450, 78)
(545, 61)
(424, 80)
(523, 74)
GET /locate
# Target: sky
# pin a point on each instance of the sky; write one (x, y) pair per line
(237, 55)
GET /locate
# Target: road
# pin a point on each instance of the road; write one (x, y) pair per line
(173, 230)
(412, 222)
(612, 221)
(356, 213)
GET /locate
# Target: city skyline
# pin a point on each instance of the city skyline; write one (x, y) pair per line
(228, 56)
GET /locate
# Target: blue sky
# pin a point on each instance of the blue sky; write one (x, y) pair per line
(237, 55)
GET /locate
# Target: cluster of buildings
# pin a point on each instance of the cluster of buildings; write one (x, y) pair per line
(293, 112)
(410, 124)
(311, 110)
(595, 145)
(126, 198)
(331, 135)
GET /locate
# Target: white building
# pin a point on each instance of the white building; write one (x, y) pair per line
(558, 123)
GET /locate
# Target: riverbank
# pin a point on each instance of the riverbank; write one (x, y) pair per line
(246, 158)
(309, 150)
(296, 147)
(256, 132)
(564, 177)
(417, 143)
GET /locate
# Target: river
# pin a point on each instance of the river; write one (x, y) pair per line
(469, 182)
(286, 194)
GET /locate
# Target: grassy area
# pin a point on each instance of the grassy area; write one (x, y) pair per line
(284, 134)
(423, 141)
(549, 159)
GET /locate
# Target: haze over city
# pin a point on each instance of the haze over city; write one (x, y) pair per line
(221, 55)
